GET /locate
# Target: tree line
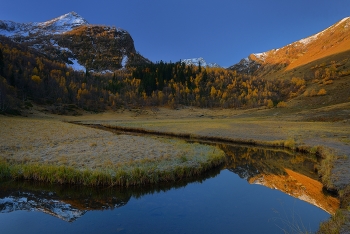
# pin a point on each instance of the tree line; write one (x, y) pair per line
(26, 74)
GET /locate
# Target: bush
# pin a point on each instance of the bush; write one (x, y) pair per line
(322, 92)
(313, 93)
(269, 103)
(36, 79)
(281, 104)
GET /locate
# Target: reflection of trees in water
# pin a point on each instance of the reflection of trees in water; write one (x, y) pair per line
(69, 202)
(289, 172)
(249, 161)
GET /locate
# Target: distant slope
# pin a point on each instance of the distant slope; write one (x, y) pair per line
(199, 61)
(333, 40)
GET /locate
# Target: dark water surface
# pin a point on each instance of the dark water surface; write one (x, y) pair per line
(223, 201)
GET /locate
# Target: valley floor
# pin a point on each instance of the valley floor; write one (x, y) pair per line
(292, 127)
(262, 126)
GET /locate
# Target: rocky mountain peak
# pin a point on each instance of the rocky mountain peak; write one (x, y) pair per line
(69, 38)
(59, 25)
(63, 23)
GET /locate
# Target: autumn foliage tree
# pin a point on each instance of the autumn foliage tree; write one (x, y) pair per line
(29, 75)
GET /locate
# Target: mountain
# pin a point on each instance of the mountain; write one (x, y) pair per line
(333, 40)
(72, 40)
(31, 202)
(197, 61)
(57, 25)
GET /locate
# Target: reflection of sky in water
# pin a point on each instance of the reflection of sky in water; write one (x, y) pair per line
(224, 204)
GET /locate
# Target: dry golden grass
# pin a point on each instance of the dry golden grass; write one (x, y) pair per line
(278, 126)
(54, 143)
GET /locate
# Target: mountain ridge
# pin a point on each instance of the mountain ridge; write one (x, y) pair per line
(332, 40)
(58, 25)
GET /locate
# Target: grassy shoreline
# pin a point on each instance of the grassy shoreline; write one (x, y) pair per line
(337, 223)
(57, 152)
(137, 173)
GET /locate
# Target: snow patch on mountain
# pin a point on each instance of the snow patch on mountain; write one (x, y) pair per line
(76, 65)
(261, 56)
(307, 40)
(199, 61)
(124, 60)
(63, 23)
(59, 25)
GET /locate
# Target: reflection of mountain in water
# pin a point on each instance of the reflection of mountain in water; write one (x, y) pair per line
(245, 171)
(288, 172)
(71, 202)
(30, 202)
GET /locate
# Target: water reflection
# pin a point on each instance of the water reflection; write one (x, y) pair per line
(69, 202)
(290, 173)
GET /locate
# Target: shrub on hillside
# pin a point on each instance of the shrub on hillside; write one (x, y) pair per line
(269, 103)
(313, 93)
(281, 104)
(322, 92)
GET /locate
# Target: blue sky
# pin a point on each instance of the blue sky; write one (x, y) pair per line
(221, 31)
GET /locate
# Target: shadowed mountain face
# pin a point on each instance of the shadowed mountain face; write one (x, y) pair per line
(333, 40)
(72, 40)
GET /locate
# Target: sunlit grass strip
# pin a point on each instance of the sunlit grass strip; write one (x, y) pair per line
(288, 144)
(326, 166)
(137, 173)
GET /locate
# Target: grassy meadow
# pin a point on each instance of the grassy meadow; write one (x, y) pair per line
(59, 152)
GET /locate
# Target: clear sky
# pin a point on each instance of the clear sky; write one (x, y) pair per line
(221, 31)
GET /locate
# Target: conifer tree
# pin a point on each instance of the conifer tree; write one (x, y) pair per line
(2, 64)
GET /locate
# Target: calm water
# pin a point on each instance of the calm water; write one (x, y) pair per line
(222, 201)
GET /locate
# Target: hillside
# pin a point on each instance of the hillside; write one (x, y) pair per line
(321, 60)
